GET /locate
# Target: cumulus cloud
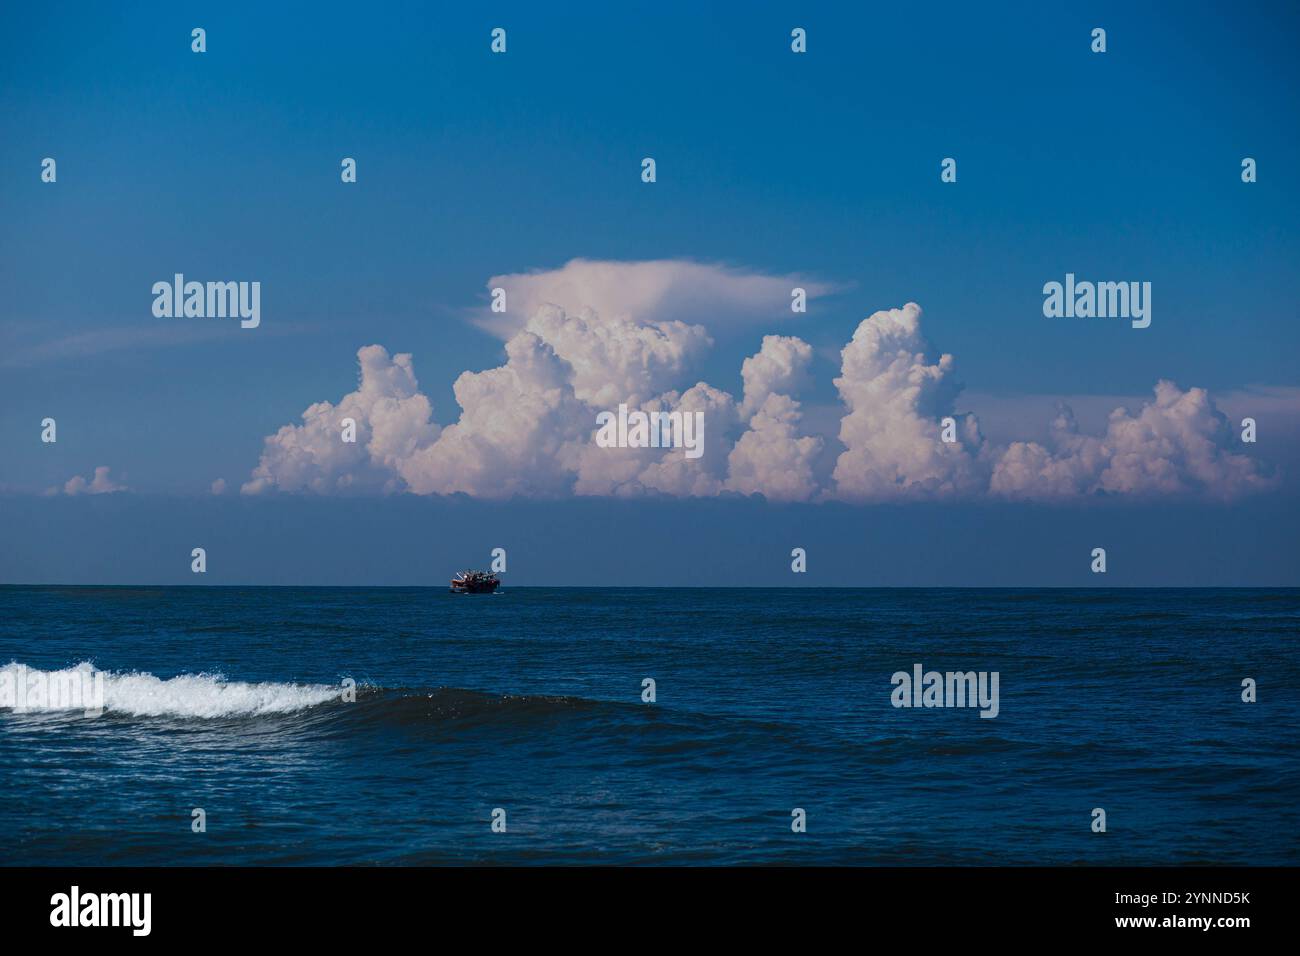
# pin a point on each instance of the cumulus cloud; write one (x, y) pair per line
(392, 421)
(527, 427)
(616, 359)
(99, 484)
(897, 392)
(517, 425)
(771, 458)
(653, 291)
(780, 365)
(671, 472)
(1180, 443)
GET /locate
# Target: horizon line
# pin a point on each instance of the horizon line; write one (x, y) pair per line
(707, 587)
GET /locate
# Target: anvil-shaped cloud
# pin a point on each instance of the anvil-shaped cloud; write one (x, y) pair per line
(649, 292)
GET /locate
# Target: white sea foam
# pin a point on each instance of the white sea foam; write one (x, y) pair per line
(27, 689)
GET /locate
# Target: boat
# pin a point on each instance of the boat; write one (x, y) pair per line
(474, 582)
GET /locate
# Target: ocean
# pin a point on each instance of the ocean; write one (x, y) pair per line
(224, 706)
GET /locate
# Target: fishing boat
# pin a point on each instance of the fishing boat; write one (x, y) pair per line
(474, 582)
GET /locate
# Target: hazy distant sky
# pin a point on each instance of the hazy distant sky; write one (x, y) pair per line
(773, 169)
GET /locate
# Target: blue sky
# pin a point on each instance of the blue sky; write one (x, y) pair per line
(225, 166)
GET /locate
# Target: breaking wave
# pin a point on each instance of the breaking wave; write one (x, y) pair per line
(140, 694)
(144, 695)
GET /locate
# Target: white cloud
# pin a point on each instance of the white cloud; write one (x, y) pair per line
(1178, 444)
(897, 393)
(781, 365)
(99, 484)
(29, 347)
(516, 426)
(672, 473)
(649, 292)
(393, 421)
(771, 458)
(526, 427)
(617, 359)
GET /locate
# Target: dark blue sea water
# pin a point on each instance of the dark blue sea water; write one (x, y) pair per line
(767, 700)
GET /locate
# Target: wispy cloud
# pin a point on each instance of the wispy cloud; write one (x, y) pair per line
(653, 291)
(19, 351)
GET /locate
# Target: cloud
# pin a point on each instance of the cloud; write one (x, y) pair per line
(771, 458)
(897, 392)
(781, 365)
(392, 420)
(84, 344)
(99, 484)
(526, 428)
(1179, 444)
(648, 292)
(16, 351)
(671, 472)
(617, 359)
(517, 425)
